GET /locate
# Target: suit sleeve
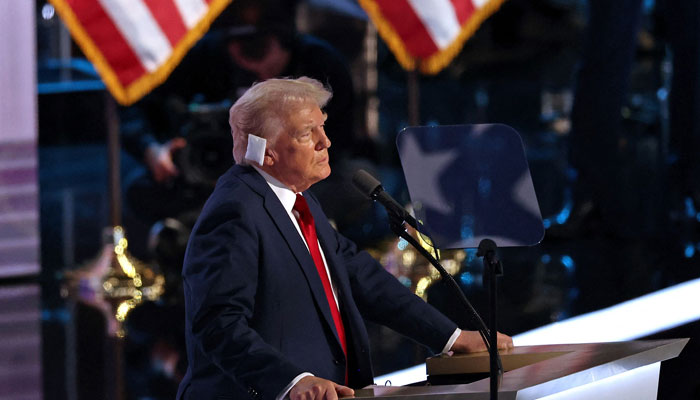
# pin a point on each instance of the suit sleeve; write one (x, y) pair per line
(382, 299)
(220, 275)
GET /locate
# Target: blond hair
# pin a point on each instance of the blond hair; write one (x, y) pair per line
(265, 107)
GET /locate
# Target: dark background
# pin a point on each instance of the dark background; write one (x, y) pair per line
(518, 69)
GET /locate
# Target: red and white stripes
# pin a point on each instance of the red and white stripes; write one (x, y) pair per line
(134, 44)
(427, 33)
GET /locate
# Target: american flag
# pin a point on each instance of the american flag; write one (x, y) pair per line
(135, 44)
(427, 34)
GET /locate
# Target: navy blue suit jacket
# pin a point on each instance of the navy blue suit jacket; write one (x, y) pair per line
(256, 312)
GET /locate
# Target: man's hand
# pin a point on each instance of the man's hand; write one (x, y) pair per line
(314, 388)
(471, 342)
(159, 159)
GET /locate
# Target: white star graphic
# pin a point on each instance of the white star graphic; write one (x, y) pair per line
(424, 169)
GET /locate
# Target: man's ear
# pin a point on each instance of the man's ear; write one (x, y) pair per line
(270, 157)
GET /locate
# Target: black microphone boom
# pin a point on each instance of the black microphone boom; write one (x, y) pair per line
(370, 186)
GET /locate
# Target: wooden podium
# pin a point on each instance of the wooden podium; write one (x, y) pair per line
(600, 371)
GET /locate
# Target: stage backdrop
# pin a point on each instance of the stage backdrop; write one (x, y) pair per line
(20, 340)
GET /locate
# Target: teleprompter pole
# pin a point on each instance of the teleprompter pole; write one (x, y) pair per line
(493, 269)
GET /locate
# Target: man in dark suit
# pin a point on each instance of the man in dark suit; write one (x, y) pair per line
(275, 297)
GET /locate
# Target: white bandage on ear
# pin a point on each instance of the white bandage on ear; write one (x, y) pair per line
(256, 149)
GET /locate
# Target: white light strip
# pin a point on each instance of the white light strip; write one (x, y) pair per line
(22, 243)
(643, 316)
(22, 163)
(18, 216)
(20, 189)
(632, 319)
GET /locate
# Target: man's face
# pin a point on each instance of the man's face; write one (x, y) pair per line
(299, 155)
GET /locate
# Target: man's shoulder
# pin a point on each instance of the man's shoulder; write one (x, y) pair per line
(239, 177)
(238, 185)
(235, 199)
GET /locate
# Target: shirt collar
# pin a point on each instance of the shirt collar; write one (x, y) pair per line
(286, 196)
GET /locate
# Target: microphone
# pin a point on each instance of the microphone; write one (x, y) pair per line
(370, 187)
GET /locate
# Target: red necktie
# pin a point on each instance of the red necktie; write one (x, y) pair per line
(308, 228)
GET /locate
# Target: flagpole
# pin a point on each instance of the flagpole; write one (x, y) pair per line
(115, 213)
(413, 88)
(112, 122)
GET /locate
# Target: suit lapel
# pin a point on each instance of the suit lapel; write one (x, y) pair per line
(295, 242)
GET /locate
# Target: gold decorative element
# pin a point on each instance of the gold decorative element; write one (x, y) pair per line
(411, 268)
(115, 283)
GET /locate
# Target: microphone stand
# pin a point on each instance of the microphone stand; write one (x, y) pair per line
(396, 222)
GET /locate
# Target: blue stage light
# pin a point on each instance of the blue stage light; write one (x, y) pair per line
(568, 262)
